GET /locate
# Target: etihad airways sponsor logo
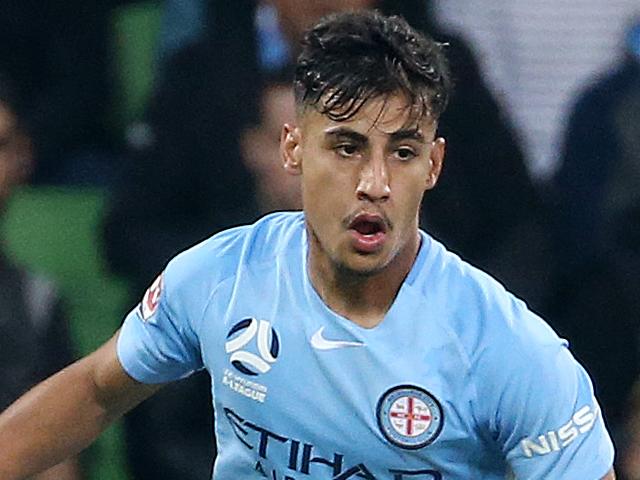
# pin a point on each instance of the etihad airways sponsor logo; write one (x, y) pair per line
(282, 458)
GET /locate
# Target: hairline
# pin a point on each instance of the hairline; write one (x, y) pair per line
(303, 108)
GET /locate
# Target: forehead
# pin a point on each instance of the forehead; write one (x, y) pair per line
(382, 115)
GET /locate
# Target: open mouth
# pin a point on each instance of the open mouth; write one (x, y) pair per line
(367, 227)
(368, 232)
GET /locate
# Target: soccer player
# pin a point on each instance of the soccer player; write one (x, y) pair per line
(342, 341)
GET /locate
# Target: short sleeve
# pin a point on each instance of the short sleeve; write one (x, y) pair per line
(157, 343)
(546, 419)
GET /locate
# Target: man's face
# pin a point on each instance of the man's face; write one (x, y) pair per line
(363, 181)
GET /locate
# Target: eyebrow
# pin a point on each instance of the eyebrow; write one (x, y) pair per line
(345, 132)
(408, 134)
(403, 134)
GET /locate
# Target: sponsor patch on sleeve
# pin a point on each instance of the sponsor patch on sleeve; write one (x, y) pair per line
(580, 423)
(151, 299)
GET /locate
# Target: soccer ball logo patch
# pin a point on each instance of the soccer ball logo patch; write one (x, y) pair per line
(241, 334)
(409, 417)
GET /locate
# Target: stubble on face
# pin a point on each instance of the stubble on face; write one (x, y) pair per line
(361, 177)
(341, 184)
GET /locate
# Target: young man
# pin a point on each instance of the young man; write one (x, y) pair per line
(342, 341)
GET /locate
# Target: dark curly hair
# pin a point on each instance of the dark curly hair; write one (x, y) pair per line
(349, 58)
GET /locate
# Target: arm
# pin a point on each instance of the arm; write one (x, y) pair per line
(609, 476)
(545, 418)
(64, 414)
(54, 352)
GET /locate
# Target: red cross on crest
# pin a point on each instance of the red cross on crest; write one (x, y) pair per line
(410, 416)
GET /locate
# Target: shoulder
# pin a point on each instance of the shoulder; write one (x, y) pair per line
(525, 382)
(489, 322)
(514, 357)
(225, 254)
(167, 343)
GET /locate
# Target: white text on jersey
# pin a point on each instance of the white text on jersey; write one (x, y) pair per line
(581, 422)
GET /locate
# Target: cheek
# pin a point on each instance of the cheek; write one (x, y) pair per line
(410, 192)
(323, 180)
(327, 194)
(319, 192)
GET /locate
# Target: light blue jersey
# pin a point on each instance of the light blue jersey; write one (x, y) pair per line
(460, 381)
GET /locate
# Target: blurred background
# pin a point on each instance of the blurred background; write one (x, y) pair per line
(131, 130)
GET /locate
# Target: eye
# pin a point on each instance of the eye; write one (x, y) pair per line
(346, 150)
(405, 154)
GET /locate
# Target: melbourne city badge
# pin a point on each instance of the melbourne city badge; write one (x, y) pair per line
(409, 416)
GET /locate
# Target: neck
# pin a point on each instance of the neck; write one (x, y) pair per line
(363, 298)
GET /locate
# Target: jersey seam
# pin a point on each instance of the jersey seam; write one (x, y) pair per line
(242, 264)
(464, 354)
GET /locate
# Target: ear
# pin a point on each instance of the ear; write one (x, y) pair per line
(291, 149)
(436, 159)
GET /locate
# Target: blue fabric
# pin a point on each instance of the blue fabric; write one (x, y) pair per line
(274, 53)
(183, 22)
(459, 381)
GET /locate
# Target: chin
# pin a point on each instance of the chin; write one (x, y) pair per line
(363, 265)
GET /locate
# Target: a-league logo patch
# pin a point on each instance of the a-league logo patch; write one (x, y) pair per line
(239, 337)
(151, 299)
(409, 416)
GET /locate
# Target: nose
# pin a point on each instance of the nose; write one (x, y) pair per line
(373, 183)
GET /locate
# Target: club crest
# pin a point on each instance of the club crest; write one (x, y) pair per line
(409, 417)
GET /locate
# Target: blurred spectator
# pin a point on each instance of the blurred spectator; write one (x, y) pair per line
(600, 170)
(34, 342)
(536, 54)
(606, 322)
(260, 146)
(486, 207)
(278, 24)
(186, 183)
(183, 22)
(598, 234)
(206, 164)
(57, 53)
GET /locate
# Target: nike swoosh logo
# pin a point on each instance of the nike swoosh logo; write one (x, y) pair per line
(320, 343)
